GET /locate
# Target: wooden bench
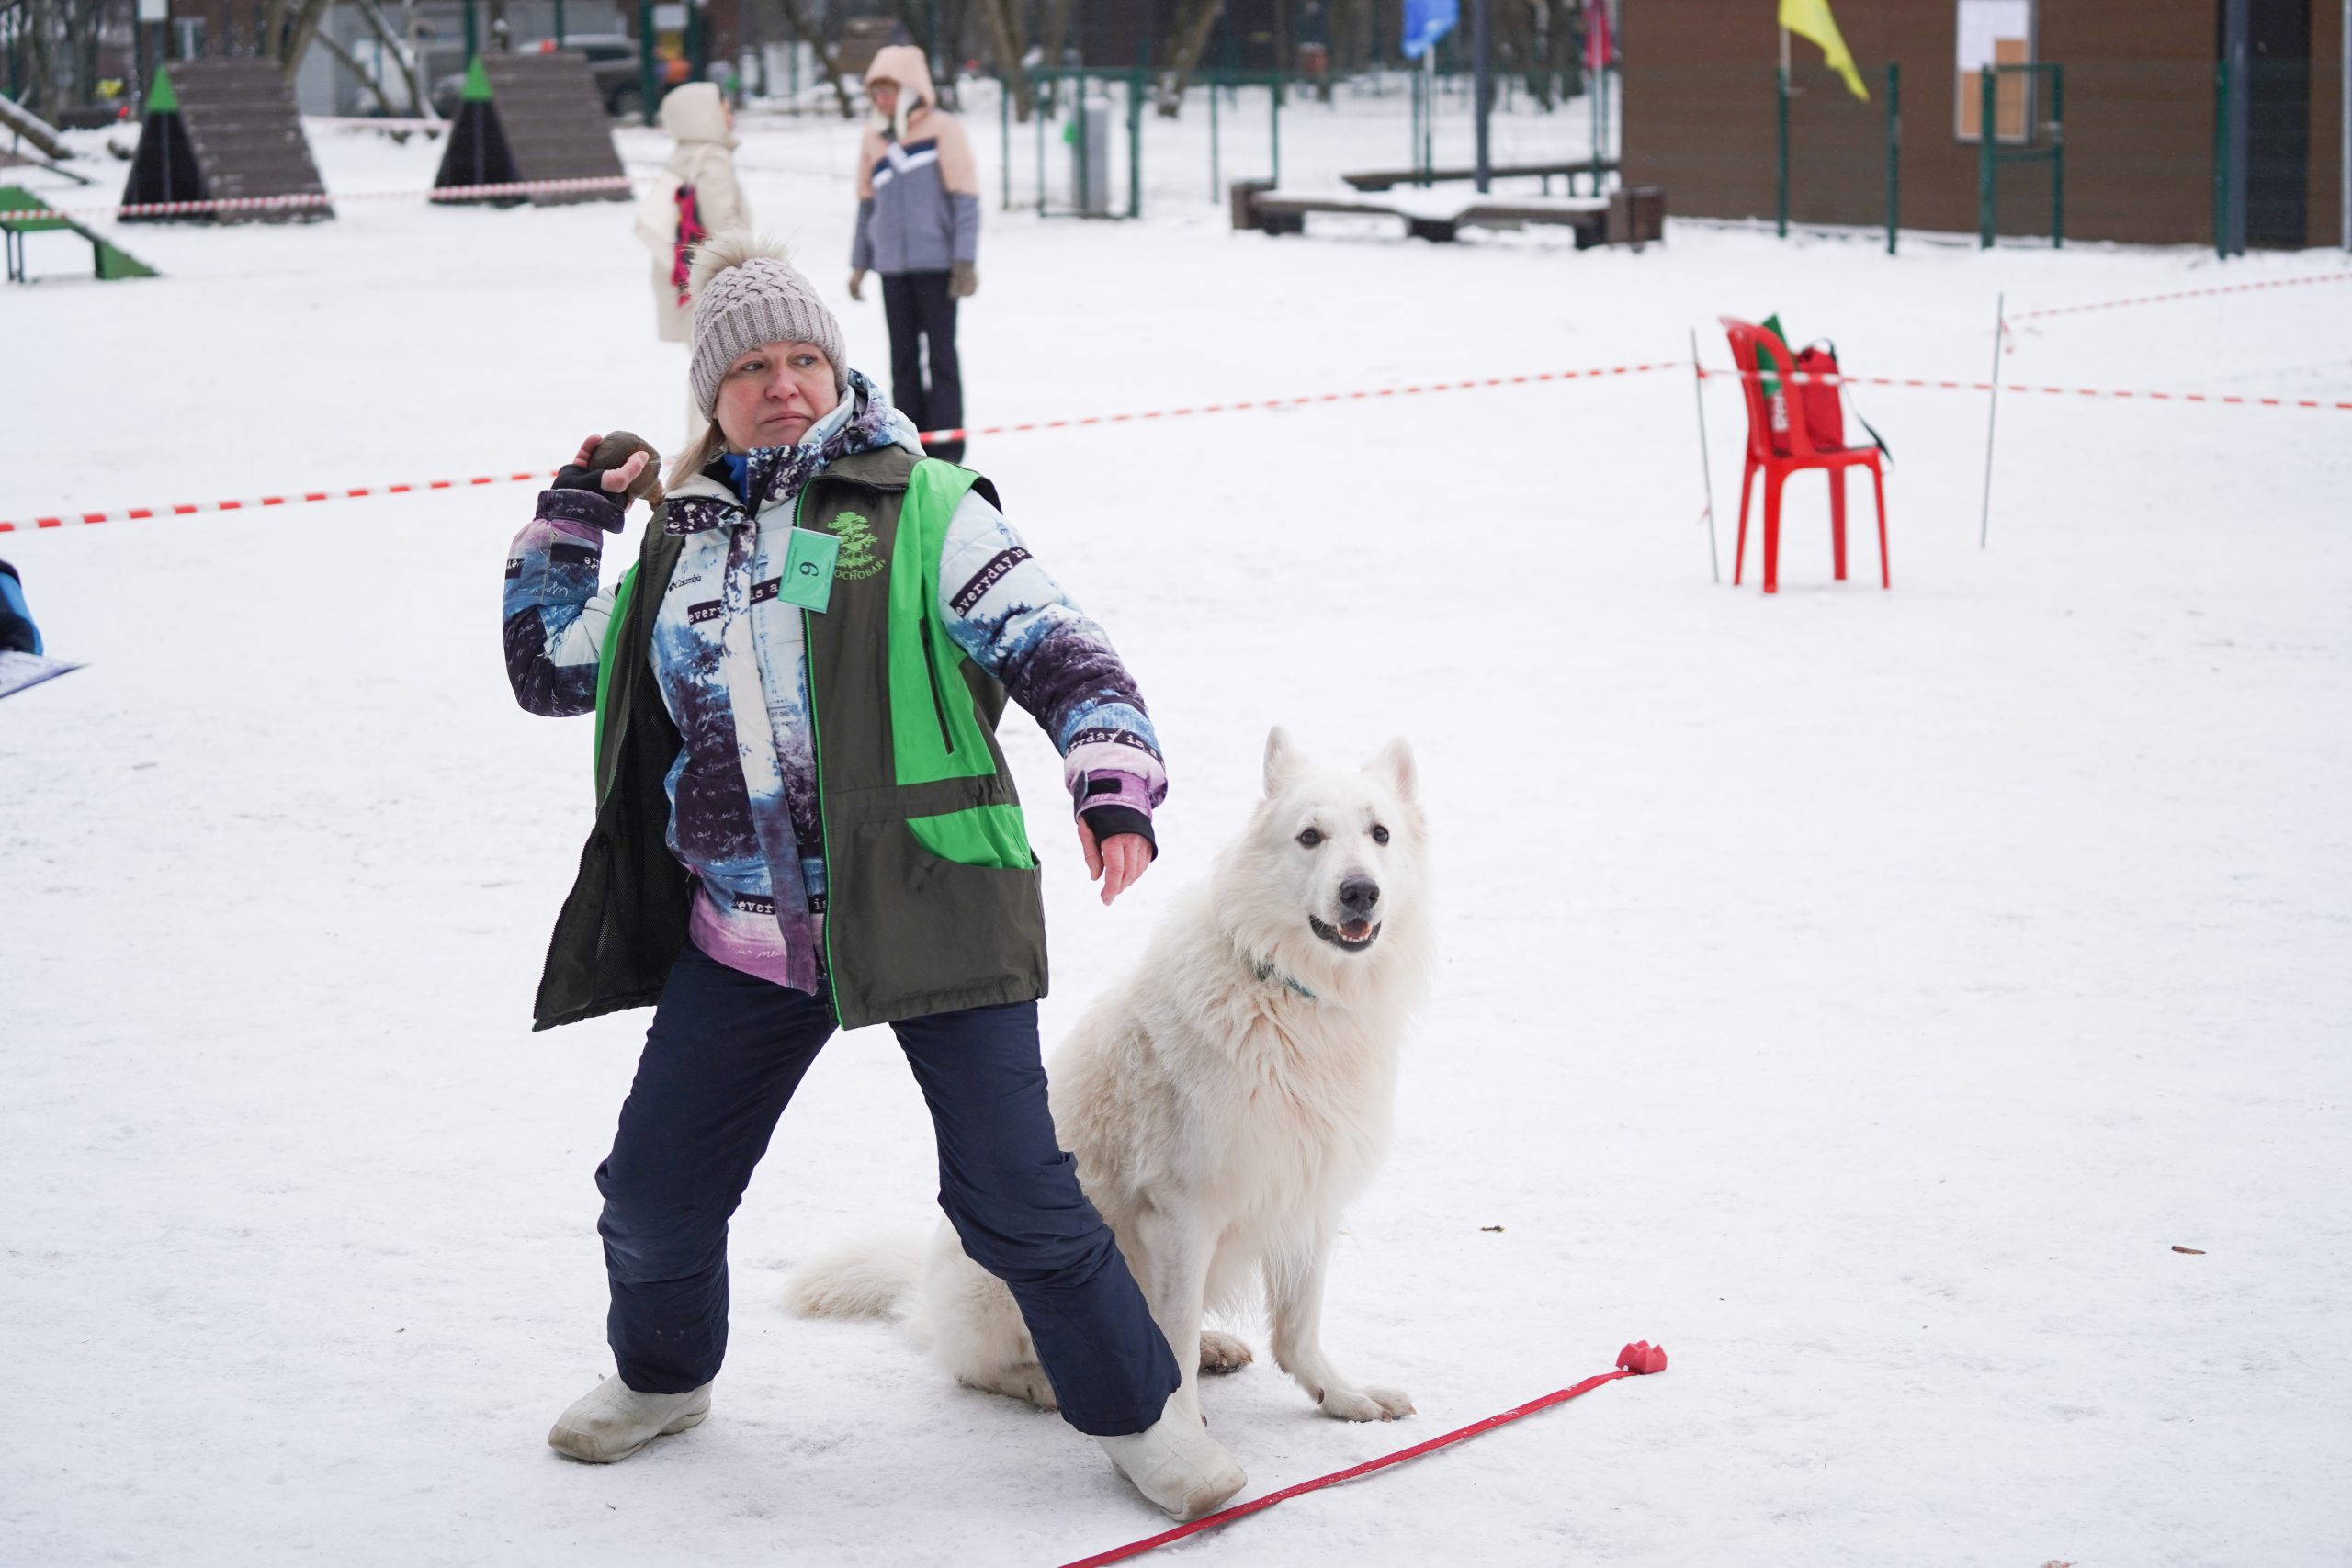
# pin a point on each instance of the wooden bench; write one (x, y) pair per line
(1388, 179)
(107, 262)
(1623, 218)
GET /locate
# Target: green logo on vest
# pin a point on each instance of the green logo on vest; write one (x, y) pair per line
(859, 559)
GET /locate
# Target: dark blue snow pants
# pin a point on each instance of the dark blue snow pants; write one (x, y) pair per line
(724, 1053)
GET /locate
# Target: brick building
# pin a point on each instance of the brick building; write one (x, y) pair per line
(2146, 128)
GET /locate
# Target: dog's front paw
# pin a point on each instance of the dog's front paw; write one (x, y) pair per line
(1223, 1353)
(1027, 1381)
(1366, 1404)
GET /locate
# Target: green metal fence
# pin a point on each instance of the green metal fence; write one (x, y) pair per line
(2044, 141)
(2238, 156)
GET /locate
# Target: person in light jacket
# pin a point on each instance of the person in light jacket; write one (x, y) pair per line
(699, 199)
(919, 226)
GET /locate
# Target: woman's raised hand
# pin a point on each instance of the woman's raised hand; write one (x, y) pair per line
(615, 480)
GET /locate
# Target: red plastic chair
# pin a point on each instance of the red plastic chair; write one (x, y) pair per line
(1766, 455)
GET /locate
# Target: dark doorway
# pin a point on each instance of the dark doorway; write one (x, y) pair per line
(2278, 116)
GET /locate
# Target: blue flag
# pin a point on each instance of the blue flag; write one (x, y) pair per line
(1426, 21)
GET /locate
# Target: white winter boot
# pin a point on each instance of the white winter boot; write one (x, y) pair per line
(613, 1420)
(1177, 1464)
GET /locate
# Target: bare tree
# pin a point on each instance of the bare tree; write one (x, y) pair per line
(1189, 26)
(411, 76)
(307, 27)
(1007, 30)
(1059, 16)
(59, 40)
(810, 29)
(943, 44)
(375, 89)
(299, 38)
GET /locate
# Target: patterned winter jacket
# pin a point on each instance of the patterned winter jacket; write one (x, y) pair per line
(743, 813)
(918, 184)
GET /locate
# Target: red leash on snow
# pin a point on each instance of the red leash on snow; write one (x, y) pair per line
(1633, 1360)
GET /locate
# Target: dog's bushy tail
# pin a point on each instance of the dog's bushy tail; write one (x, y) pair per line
(866, 1279)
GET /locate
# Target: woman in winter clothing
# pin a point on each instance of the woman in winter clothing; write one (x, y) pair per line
(919, 226)
(803, 822)
(701, 197)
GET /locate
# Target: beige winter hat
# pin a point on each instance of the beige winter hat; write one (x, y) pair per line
(903, 63)
(747, 292)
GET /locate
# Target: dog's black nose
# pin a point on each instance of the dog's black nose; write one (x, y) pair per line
(1358, 894)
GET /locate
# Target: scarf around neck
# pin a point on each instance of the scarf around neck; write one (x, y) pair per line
(863, 420)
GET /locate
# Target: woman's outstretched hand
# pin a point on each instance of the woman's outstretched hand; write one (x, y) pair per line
(1117, 863)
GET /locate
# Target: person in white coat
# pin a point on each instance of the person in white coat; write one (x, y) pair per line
(696, 198)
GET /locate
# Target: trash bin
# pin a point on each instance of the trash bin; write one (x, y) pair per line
(1090, 154)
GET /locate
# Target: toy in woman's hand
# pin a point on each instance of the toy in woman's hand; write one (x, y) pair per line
(617, 449)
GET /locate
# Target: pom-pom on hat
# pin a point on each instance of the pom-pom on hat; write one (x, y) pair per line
(747, 292)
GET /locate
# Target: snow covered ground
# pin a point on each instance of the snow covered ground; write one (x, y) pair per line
(1861, 994)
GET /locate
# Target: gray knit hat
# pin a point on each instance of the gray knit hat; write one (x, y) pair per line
(747, 292)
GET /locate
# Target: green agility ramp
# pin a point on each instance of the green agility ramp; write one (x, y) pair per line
(530, 119)
(109, 261)
(224, 130)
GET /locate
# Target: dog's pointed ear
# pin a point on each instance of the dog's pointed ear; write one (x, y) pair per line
(1282, 758)
(1394, 763)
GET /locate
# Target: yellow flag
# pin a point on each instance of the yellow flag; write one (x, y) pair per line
(1811, 20)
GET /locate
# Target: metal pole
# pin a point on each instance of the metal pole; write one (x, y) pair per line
(2343, 151)
(1485, 85)
(1413, 94)
(1780, 83)
(1592, 101)
(2221, 158)
(1040, 116)
(1084, 196)
(2058, 157)
(1274, 101)
(1706, 469)
(647, 84)
(1135, 143)
(1429, 113)
(1993, 411)
(2236, 27)
(1216, 178)
(1985, 138)
(1893, 153)
(559, 24)
(1004, 136)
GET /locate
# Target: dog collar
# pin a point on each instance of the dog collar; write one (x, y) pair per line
(1266, 971)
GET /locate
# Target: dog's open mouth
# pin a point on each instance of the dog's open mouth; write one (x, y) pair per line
(1352, 936)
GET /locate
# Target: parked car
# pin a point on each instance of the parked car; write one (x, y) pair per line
(612, 61)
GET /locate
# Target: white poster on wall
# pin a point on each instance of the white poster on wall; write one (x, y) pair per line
(1993, 32)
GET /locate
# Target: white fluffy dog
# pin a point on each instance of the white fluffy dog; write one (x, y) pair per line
(1224, 1101)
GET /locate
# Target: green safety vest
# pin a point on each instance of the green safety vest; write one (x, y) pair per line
(932, 891)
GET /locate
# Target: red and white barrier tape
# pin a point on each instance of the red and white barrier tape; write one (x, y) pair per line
(1635, 1360)
(2184, 294)
(298, 200)
(931, 437)
(934, 437)
(2121, 395)
(291, 498)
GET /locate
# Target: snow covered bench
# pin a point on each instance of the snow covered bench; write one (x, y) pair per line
(1625, 216)
(1388, 179)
